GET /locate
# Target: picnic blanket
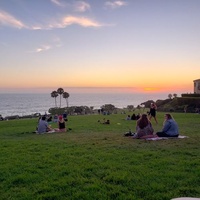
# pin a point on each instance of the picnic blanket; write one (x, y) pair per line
(166, 138)
(186, 198)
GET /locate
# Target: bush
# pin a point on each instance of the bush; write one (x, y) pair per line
(190, 95)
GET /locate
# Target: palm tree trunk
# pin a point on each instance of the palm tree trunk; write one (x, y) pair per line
(55, 102)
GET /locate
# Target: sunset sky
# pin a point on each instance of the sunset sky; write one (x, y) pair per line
(138, 45)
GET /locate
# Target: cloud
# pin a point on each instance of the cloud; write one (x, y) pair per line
(55, 42)
(8, 20)
(70, 20)
(58, 3)
(42, 48)
(82, 21)
(36, 28)
(81, 6)
(115, 4)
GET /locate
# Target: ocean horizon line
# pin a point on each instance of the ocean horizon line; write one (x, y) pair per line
(28, 103)
(92, 89)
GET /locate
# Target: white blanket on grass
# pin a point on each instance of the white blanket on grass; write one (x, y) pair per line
(166, 138)
(186, 198)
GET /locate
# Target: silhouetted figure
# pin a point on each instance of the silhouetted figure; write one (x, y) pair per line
(138, 116)
(49, 119)
(133, 117)
(152, 112)
(65, 117)
(1, 118)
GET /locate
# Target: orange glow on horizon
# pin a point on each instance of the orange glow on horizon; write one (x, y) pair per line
(151, 89)
(92, 86)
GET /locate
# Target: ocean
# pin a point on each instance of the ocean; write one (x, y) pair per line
(26, 104)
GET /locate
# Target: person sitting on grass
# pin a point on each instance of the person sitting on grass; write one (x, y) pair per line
(1, 118)
(61, 124)
(144, 128)
(49, 118)
(55, 118)
(43, 126)
(133, 117)
(128, 117)
(65, 116)
(170, 127)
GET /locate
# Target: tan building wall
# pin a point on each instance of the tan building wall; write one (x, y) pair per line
(197, 86)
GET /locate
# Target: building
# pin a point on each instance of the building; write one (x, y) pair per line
(197, 86)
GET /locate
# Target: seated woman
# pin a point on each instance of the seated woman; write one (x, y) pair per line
(133, 117)
(55, 118)
(61, 124)
(128, 117)
(170, 127)
(144, 128)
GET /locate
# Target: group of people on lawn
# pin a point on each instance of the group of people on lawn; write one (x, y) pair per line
(44, 127)
(144, 127)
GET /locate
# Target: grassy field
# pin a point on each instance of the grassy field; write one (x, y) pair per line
(94, 161)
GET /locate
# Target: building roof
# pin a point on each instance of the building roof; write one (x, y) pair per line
(196, 80)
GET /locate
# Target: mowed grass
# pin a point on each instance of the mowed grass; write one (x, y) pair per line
(95, 161)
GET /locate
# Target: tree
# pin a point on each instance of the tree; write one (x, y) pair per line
(130, 107)
(170, 96)
(54, 94)
(60, 91)
(175, 95)
(141, 106)
(66, 96)
(108, 108)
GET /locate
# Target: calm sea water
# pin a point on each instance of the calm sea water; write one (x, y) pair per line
(25, 104)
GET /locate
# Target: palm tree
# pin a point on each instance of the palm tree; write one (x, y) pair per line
(54, 94)
(60, 92)
(170, 96)
(66, 96)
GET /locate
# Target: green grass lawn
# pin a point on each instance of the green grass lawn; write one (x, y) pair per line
(95, 161)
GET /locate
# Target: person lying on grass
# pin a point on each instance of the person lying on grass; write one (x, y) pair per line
(170, 127)
(104, 121)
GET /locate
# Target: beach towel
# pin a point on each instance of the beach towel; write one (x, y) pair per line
(186, 198)
(166, 138)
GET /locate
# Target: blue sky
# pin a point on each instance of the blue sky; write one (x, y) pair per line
(143, 45)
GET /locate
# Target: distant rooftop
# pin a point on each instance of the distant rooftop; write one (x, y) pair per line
(196, 80)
